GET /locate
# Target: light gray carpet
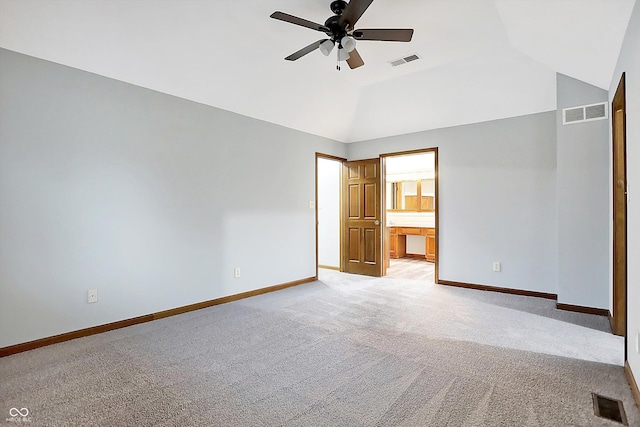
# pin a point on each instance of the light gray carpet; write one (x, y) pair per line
(344, 351)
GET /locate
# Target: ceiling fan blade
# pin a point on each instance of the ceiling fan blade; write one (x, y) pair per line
(299, 21)
(302, 52)
(355, 60)
(354, 11)
(384, 34)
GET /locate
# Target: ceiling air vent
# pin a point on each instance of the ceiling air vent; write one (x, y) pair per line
(584, 113)
(404, 60)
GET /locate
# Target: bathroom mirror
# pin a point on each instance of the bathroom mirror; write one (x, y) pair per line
(403, 195)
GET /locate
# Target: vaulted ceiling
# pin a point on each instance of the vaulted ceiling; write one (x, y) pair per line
(480, 59)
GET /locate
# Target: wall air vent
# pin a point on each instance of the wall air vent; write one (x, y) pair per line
(584, 113)
(404, 60)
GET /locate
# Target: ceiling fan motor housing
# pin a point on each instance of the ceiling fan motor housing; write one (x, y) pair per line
(338, 31)
(338, 6)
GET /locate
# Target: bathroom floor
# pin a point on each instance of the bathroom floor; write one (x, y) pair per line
(411, 268)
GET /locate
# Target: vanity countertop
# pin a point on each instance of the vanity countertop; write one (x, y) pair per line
(411, 219)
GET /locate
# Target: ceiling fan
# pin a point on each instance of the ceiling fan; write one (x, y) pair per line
(340, 29)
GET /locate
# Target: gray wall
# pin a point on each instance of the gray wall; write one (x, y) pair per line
(583, 200)
(629, 62)
(151, 199)
(497, 198)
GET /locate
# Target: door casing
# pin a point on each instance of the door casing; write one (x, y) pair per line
(383, 157)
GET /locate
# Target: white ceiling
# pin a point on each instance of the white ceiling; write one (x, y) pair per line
(481, 59)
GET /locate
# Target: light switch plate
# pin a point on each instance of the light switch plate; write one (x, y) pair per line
(92, 296)
(312, 204)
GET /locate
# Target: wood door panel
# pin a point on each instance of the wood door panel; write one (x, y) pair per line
(370, 171)
(362, 238)
(354, 172)
(370, 240)
(370, 205)
(354, 201)
(354, 245)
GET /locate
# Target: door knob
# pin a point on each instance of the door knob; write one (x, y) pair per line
(376, 222)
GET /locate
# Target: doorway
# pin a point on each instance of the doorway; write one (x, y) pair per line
(619, 316)
(410, 214)
(328, 211)
(348, 215)
(374, 221)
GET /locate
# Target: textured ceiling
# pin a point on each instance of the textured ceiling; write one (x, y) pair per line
(481, 59)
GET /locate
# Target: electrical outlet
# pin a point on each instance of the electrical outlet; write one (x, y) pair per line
(236, 272)
(638, 343)
(497, 266)
(92, 296)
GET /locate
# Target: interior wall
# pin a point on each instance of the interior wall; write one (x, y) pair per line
(329, 172)
(150, 199)
(629, 62)
(583, 199)
(497, 198)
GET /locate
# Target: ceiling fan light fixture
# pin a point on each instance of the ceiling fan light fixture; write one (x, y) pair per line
(348, 43)
(326, 47)
(340, 29)
(343, 55)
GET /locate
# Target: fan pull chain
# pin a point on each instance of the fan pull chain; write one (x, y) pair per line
(338, 60)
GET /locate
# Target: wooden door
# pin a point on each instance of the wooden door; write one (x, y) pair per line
(362, 218)
(619, 317)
